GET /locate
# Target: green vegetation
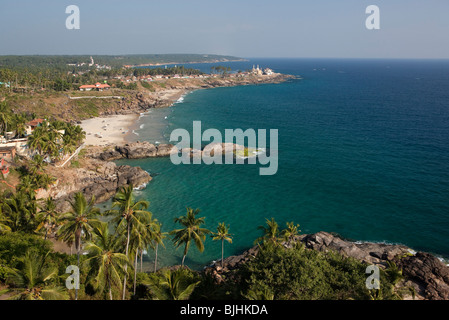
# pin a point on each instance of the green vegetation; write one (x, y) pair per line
(191, 231)
(302, 274)
(32, 270)
(61, 61)
(220, 70)
(62, 73)
(55, 139)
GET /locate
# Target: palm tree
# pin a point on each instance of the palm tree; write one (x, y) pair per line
(291, 231)
(20, 211)
(35, 280)
(19, 121)
(222, 234)
(37, 164)
(44, 180)
(270, 232)
(157, 238)
(4, 222)
(73, 136)
(38, 139)
(139, 240)
(106, 263)
(48, 216)
(5, 116)
(192, 231)
(172, 285)
(130, 214)
(79, 222)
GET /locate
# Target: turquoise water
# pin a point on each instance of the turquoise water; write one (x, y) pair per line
(363, 151)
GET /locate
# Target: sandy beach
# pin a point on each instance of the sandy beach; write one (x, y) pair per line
(110, 130)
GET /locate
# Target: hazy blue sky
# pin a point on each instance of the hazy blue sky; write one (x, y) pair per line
(245, 28)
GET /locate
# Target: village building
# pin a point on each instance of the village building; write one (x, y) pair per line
(33, 124)
(257, 71)
(267, 71)
(98, 86)
(8, 153)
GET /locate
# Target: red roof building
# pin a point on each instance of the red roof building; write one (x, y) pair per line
(98, 86)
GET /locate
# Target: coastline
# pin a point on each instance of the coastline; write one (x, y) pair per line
(376, 251)
(182, 63)
(108, 130)
(118, 127)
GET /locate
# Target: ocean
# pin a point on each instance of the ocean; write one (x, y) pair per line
(363, 152)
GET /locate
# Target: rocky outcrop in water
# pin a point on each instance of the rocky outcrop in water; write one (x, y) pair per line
(136, 150)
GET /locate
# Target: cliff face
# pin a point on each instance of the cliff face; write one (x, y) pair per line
(98, 178)
(422, 271)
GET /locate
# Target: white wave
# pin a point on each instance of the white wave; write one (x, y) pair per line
(180, 100)
(140, 187)
(144, 114)
(142, 126)
(135, 133)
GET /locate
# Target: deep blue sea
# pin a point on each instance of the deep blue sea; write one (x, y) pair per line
(363, 152)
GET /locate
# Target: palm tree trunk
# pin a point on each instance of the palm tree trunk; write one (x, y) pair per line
(141, 260)
(126, 265)
(76, 290)
(155, 259)
(222, 252)
(78, 243)
(185, 254)
(135, 271)
(182, 263)
(110, 289)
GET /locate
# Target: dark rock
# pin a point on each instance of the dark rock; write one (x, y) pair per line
(137, 150)
(101, 181)
(431, 275)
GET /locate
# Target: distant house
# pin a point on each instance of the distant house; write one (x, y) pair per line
(33, 124)
(7, 153)
(98, 86)
(268, 71)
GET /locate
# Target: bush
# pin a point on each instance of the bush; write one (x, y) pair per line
(14, 244)
(302, 274)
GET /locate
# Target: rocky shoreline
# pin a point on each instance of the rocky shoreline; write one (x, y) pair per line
(173, 89)
(97, 178)
(424, 272)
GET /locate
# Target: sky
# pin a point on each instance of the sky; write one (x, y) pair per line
(243, 28)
